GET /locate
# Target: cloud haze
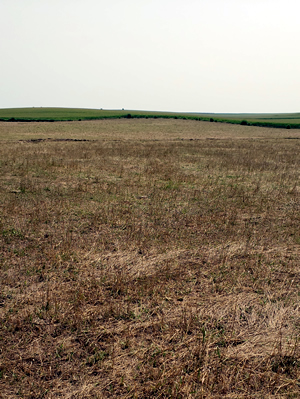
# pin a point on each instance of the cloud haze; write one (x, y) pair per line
(202, 56)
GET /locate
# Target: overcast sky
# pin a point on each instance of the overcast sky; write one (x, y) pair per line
(166, 55)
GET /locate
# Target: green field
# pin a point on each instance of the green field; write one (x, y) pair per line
(291, 120)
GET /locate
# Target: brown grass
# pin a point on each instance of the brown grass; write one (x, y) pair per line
(160, 260)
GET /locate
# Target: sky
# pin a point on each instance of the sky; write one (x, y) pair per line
(162, 55)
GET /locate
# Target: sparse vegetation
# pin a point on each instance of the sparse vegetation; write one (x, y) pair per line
(149, 259)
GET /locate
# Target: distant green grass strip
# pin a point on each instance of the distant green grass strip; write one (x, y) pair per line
(285, 121)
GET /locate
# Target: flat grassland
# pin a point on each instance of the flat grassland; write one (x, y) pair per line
(286, 120)
(149, 258)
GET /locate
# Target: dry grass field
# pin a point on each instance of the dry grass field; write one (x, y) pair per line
(155, 259)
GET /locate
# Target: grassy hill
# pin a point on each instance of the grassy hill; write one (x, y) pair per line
(75, 114)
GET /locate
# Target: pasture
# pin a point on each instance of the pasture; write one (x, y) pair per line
(149, 258)
(36, 114)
